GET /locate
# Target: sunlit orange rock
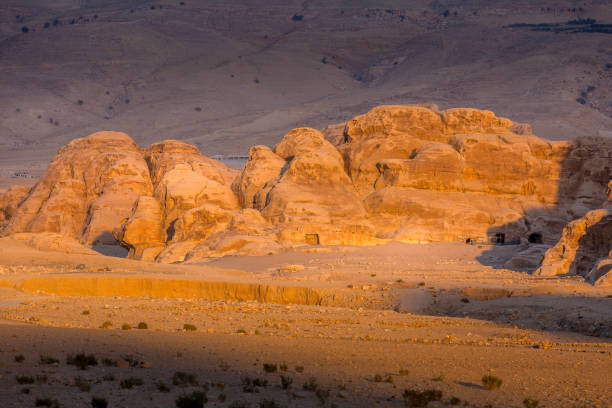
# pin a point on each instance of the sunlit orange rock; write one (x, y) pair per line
(9, 202)
(91, 184)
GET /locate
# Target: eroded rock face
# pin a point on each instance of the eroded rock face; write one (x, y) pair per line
(585, 248)
(191, 200)
(311, 197)
(262, 166)
(9, 202)
(409, 173)
(89, 187)
(143, 231)
(429, 175)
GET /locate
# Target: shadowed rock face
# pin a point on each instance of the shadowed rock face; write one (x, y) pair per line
(585, 248)
(409, 173)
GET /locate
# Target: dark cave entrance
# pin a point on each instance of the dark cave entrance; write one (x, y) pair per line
(535, 238)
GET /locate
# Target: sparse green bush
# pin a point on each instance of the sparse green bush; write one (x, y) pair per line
(266, 403)
(109, 362)
(530, 403)
(98, 402)
(48, 360)
(404, 372)
(196, 399)
(46, 402)
(126, 326)
(283, 367)
(183, 379)
(130, 382)
(24, 379)
(81, 360)
(106, 325)
(270, 368)
(286, 382)
(311, 385)
(189, 327)
(416, 398)
(143, 326)
(162, 387)
(250, 384)
(491, 382)
(322, 395)
(299, 369)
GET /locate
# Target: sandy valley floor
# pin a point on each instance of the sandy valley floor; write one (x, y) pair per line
(365, 323)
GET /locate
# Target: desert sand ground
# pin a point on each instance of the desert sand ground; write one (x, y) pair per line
(343, 314)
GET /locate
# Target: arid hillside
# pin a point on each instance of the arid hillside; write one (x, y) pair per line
(226, 75)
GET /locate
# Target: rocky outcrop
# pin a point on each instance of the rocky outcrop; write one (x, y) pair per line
(409, 173)
(191, 200)
(262, 166)
(314, 199)
(89, 187)
(585, 248)
(9, 202)
(143, 231)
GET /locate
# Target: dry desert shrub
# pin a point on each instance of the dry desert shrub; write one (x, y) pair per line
(183, 379)
(81, 360)
(416, 398)
(491, 382)
(196, 399)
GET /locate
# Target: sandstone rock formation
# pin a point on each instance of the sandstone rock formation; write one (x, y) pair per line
(585, 248)
(9, 202)
(191, 196)
(89, 187)
(409, 173)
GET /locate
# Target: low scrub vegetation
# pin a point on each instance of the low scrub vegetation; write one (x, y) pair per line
(491, 382)
(414, 398)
